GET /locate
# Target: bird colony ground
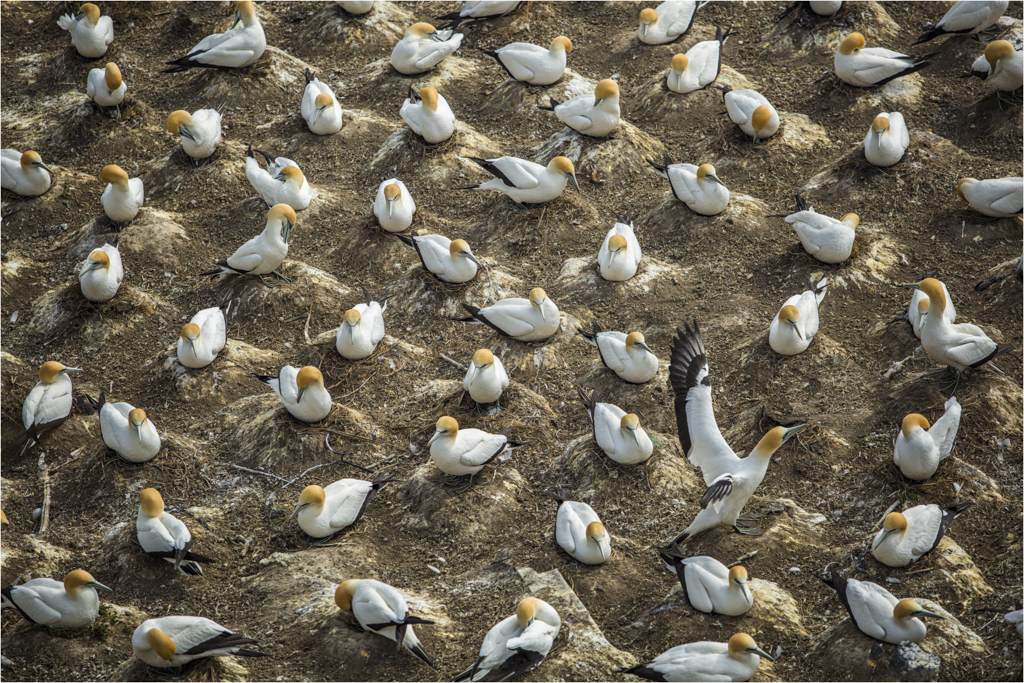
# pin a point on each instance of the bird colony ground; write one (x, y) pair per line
(466, 558)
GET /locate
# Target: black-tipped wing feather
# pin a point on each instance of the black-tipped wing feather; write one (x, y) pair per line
(224, 640)
(688, 359)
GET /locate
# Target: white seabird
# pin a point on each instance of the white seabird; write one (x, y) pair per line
(996, 197)
(700, 66)
(825, 8)
(447, 260)
(579, 532)
(730, 480)
(619, 435)
(752, 112)
(920, 449)
(105, 86)
(620, 253)
(795, 325)
(906, 537)
(302, 392)
(381, 609)
(865, 67)
(24, 174)
(127, 431)
(162, 535)
(458, 452)
(699, 188)
(486, 378)
(665, 24)
(965, 17)
(71, 603)
(281, 183)
(1016, 617)
(524, 181)
(710, 586)
(101, 274)
(47, 406)
(91, 34)
(199, 132)
(826, 239)
(737, 660)
(525, 320)
(887, 140)
(123, 196)
(175, 641)
(203, 337)
(594, 115)
(362, 329)
(356, 7)
(517, 644)
(264, 253)
(233, 49)
(422, 48)
(477, 9)
(918, 308)
(394, 208)
(428, 115)
(323, 512)
(877, 612)
(320, 107)
(627, 355)
(1001, 66)
(531, 63)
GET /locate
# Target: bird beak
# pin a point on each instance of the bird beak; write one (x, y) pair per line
(636, 439)
(912, 285)
(437, 435)
(885, 534)
(759, 651)
(643, 29)
(192, 343)
(435, 36)
(799, 332)
(70, 370)
(279, 176)
(476, 371)
(539, 307)
(319, 112)
(297, 510)
(645, 347)
(96, 265)
(42, 165)
(288, 225)
(97, 584)
(598, 100)
(79, 16)
(138, 430)
(472, 258)
(712, 177)
(184, 132)
(572, 178)
(391, 204)
(926, 613)
(791, 432)
(301, 392)
(238, 18)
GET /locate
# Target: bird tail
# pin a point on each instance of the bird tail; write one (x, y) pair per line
(928, 35)
(661, 170)
(589, 337)
(407, 239)
(309, 76)
(643, 672)
(222, 269)
(721, 36)
(958, 508)
(417, 649)
(550, 107)
(473, 312)
(467, 187)
(249, 653)
(378, 482)
(589, 402)
(190, 568)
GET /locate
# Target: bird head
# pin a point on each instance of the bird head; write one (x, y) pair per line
(137, 418)
(429, 96)
(112, 173)
(31, 158)
(245, 12)
(605, 89)
(152, 503)
(707, 172)
(392, 193)
(189, 334)
(352, 319)
(635, 340)
(852, 43)
(178, 123)
(648, 17)
(595, 530)
(561, 43)
(447, 427)
(741, 643)
(563, 165)
(282, 216)
(616, 244)
(291, 174)
(461, 248)
(112, 76)
(894, 521)
(322, 102)
(79, 578)
(343, 594)
(679, 63)
(850, 219)
(912, 422)
(995, 51)
(923, 304)
(959, 187)
(90, 12)
(307, 375)
(311, 495)
(879, 126)
(628, 425)
(98, 259)
(738, 576)
(907, 609)
(773, 440)
(760, 118)
(483, 358)
(790, 315)
(422, 29)
(51, 369)
(934, 291)
(526, 611)
(161, 644)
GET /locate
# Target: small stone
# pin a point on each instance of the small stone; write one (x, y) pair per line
(914, 664)
(794, 570)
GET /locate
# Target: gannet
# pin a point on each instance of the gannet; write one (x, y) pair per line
(908, 536)
(619, 435)
(199, 132)
(123, 196)
(1001, 66)
(320, 107)
(477, 9)
(356, 7)
(203, 337)
(282, 182)
(105, 86)
(620, 252)
(163, 535)
(824, 238)
(700, 66)
(394, 208)
(730, 480)
(525, 320)
(301, 391)
(699, 188)
(234, 49)
(323, 512)
(91, 34)
(429, 115)
(264, 253)
(175, 641)
(627, 355)
(101, 274)
(752, 112)
(1016, 617)
(736, 660)
(447, 260)
(970, 17)
(877, 612)
(710, 586)
(917, 311)
(517, 644)
(362, 329)
(72, 603)
(864, 67)
(127, 431)
(47, 405)
(458, 452)
(531, 63)
(887, 140)
(422, 48)
(524, 181)
(579, 532)
(825, 8)
(997, 197)
(381, 609)
(920, 449)
(594, 115)
(668, 22)
(24, 174)
(486, 378)
(795, 325)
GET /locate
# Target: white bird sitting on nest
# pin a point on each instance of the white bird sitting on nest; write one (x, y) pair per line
(579, 532)
(428, 115)
(234, 49)
(105, 87)
(126, 430)
(47, 405)
(422, 48)
(458, 452)
(517, 644)
(72, 603)
(302, 392)
(887, 140)
(320, 107)
(281, 183)
(486, 379)
(323, 512)
(447, 260)
(24, 174)
(164, 536)
(700, 66)
(668, 22)
(176, 641)
(477, 9)
(1001, 67)
(264, 253)
(362, 328)
(91, 34)
(996, 197)
(627, 355)
(795, 325)
(866, 67)
(824, 238)
(356, 7)
(920, 448)
(619, 435)
(525, 320)
(620, 253)
(825, 8)
(710, 586)
(199, 133)
(737, 660)
(203, 337)
(752, 112)
(101, 274)
(908, 536)
(531, 63)
(123, 196)
(919, 306)
(699, 188)
(381, 609)
(594, 115)
(524, 181)
(965, 18)
(394, 207)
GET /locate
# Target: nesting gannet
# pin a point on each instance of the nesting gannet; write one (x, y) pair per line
(620, 252)
(175, 641)
(71, 603)
(996, 197)
(428, 115)
(887, 140)
(47, 405)
(917, 311)
(91, 34)
(486, 378)
(825, 8)
(908, 536)
(864, 67)
(824, 238)
(736, 660)
(127, 431)
(24, 174)
(123, 196)
(517, 644)
(627, 355)
(1001, 66)
(699, 67)
(920, 448)
(320, 107)
(477, 9)
(1016, 617)
(234, 49)
(458, 452)
(356, 7)
(531, 63)
(699, 188)
(199, 132)
(447, 260)
(323, 512)
(164, 536)
(665, 24)
(101, 274)
(105, 86)
(524, 181)
(525, 320)
(302, 392)
(709, 585)
(752, 112)
(594, 115)
(619, 435)
(281, 183)
(795, 325)
(394, 208)
(264, 253)
(731, 480)
(362, 329)
(422, 48)
(966, 16)
(877, 612)
(381, 609)
(203, 337)
(579, 532)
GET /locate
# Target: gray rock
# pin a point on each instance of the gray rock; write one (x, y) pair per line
(912, 663)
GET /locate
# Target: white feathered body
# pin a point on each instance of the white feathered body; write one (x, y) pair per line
(533, 64)
(343, 503)
(915, 317)
(872, 609)
(378, 603)
(433, 126)
(47, 402)
(616, 444)
(101, 284)
(205, 128)
(435, 252)
(583, 115)
(888, 147)
(705, 661)
(996, 197)
(705, 63)
(235, 48)
(402, 211)
(30, 182)
(262, 254)
(741, 104)
(91, 40)
(415, 54)
(783, 337)
(467, 452)
(520, 319)
(635, 365)
(46, 602)
(274, 191)
(330, 121)
(919, 456)
(571, 533)
(709, 589)
(211, 341)
(702, 195)
(187, 633)
(359, 341)
(507, 638)
(315, 404)
(621, 266)
(122, 201)
(97, 90)
(823, 237)
(120, 435)
(531, 183)
(674, 18)
(488, 384)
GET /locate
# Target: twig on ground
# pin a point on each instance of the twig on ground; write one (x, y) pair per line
(44, 477)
